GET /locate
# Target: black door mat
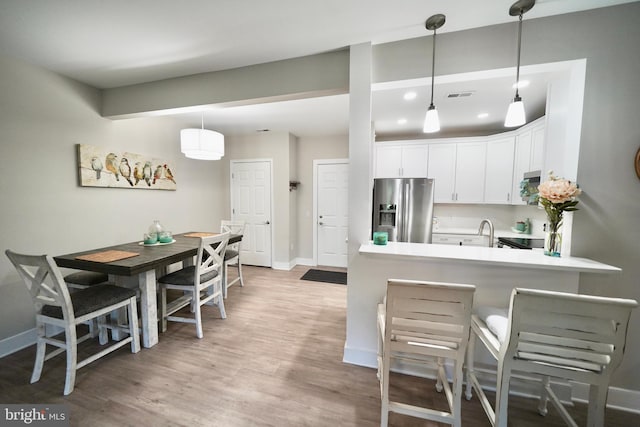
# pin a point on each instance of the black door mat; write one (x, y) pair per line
(337, 277)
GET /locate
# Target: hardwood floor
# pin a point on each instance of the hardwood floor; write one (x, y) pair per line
(275, 361)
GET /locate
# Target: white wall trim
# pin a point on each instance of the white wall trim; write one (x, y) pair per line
(317, 163)
(619, 399)
(360, 357)
(17, 342)
(283, 265)
(306, 261)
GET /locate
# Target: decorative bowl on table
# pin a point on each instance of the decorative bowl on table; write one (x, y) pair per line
(165, 237)
(150, 238)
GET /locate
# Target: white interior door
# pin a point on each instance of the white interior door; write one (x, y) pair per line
(332, 219)
(251, 203)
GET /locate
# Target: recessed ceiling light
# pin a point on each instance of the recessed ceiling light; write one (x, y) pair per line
(523, 83)
(410, 95)
(402, 121)
(483, 115)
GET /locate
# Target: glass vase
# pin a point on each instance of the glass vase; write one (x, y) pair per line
(155, 229)
(552, 243)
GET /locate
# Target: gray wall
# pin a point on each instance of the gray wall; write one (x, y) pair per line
(43, 210)
(310, 149)
(278, 147)
(605, 228)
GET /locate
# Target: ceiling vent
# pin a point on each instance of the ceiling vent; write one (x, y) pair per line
(460, 94)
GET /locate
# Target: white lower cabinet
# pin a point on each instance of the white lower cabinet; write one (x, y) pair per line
(460, 239)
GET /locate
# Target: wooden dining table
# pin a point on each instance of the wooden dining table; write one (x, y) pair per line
(140, 270)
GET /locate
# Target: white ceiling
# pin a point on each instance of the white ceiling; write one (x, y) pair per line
(120, 42)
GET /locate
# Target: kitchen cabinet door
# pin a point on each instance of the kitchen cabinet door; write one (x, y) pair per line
(442, 168)
(537, 149)
(388, 162)
(398, 161)
(521, 164)
(414, 161)
(470, 172)
(529, 156)
(499, 172)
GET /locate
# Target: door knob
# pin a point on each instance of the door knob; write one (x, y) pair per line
(267, 222)
(321, 223)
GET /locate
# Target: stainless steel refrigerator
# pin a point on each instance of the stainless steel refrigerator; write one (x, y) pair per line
(403, 207)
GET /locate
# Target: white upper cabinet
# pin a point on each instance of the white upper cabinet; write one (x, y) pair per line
(470, 172)
(415, 161)
(442, 168)
(401, 161)
(498, 176)
(388, 162)
(528, 156)
(485, 169)
(537, 147)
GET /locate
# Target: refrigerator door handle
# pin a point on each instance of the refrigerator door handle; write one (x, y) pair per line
(405, 212)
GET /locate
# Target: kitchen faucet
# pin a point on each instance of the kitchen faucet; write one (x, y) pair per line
(481, 229)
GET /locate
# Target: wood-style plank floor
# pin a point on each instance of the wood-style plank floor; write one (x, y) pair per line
(275, 361)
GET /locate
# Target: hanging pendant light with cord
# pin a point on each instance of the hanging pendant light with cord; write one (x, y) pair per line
(202, 144)
(431, 120)
(515, 114)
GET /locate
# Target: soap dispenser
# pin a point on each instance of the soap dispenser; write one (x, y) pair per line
(527, 226)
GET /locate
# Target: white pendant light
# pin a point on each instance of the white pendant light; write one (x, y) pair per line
(202, 144)
(432, 120)
(515, 114)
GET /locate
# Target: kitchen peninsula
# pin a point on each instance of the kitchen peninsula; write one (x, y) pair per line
(494, 272)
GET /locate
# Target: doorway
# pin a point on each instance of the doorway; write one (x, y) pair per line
(251, 196)
(330, 208)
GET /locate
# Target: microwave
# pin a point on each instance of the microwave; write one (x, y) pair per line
(529, 187)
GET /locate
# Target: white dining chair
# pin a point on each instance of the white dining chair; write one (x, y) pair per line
(424, 323)
(57, 307)
(232, 254)
(544, 335)
(200, 284)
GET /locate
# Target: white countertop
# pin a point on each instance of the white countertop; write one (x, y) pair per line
(496, 256)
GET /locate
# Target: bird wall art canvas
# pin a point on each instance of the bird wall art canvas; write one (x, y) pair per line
(101, 167)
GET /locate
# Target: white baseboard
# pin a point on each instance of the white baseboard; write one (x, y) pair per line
(306, 261)
(17, 342)
(619, 399)
(283, 265)
(360, 357)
